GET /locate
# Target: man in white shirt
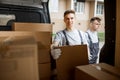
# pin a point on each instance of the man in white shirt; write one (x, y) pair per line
(93, 38)
(70, 35)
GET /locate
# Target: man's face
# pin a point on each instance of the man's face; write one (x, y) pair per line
(95, 25)
(69, 20)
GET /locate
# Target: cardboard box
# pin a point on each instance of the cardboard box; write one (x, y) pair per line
(18, 58)
(15, 33)
(71, 56)
(45, 71)
(43, 35)
(20, 26)
(45, 78)
(99, 71)
(44, 55)
(42, 31)
(44, 39)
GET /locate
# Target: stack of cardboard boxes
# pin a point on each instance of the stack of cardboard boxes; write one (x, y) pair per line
(25, 55)
(18, 56)
(43, 36)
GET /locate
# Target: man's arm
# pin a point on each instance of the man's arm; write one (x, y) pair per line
(54, 44)
(55, 52)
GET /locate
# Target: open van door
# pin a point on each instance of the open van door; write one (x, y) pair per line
(107, 54)
(23, 11)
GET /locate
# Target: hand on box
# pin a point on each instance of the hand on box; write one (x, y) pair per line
(55, 53)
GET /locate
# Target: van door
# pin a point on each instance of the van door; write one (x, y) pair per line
(23, 11)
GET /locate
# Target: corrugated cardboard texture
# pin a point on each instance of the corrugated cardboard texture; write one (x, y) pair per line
(19, 60)
(20, 26)
(99, 71)
(71, 56)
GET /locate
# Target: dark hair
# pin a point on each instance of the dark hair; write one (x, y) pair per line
(68, 11)
(95, 18)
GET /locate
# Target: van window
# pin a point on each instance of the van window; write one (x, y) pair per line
(23, 11)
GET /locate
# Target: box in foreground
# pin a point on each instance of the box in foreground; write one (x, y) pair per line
(99, 71)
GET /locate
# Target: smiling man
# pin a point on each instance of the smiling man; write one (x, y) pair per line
(70, 35)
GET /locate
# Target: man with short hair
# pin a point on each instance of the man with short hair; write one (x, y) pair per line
(93, 39)
(70, 35)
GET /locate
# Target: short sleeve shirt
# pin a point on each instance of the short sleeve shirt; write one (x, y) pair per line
(93, 36)
(72, 36)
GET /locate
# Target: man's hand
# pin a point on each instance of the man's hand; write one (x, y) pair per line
(55, 53)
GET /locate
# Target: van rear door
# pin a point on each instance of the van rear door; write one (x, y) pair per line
(23, 11)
